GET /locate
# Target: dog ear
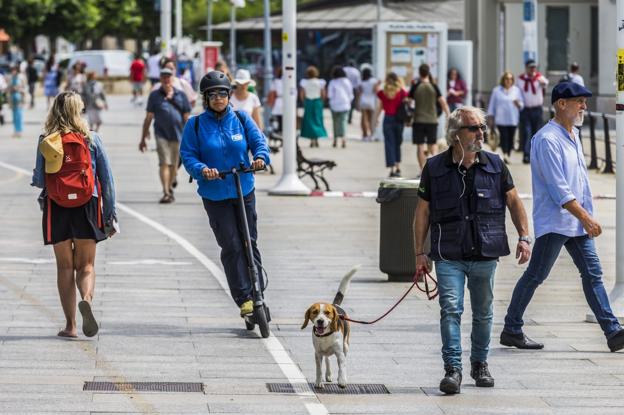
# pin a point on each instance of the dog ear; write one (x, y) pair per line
(307, 318)
(335, 320)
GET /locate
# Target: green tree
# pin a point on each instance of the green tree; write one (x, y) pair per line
(21, 18)
(75, 20)
(118, 18)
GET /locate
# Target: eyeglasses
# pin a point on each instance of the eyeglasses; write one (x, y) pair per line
(218, 94)
(475, 128)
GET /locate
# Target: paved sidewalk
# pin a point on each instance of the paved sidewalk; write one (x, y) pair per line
(165, 317)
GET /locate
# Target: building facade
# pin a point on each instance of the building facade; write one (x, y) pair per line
(582, 31)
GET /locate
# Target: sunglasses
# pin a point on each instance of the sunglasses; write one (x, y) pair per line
(475, 128)
(218, 94)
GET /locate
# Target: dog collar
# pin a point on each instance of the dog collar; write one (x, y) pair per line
(321, 335)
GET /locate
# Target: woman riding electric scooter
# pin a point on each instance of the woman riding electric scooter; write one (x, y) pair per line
(215, 141)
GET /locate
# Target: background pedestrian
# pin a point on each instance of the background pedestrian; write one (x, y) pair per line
(367, 91)
(275, 100)
(456, 88)
(137, 79)
(17, 97)
(504, 111)
(32, 77)
(95, 101)
(51, 81)
(533, 87)
(391, 97)
(312, 93)
(243, 100)
(340, 96)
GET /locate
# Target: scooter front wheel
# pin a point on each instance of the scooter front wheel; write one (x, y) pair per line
(261, 319)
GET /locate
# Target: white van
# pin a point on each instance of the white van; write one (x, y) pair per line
(113, 63)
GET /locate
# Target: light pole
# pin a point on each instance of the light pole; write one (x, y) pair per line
(268, 64)
(616, 296)
(289, 183)
(178, 24)
(165, 27)
(233, 38)
(209, 21)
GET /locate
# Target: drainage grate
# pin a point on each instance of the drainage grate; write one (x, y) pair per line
(129, 387)
(330, 388)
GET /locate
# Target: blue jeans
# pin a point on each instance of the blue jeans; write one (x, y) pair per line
(451, 278)
(18, 119)
(532, 121)
(226, 225)
(545, 253)
(393, 137)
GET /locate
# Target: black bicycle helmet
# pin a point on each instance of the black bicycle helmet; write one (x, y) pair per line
(214, 80)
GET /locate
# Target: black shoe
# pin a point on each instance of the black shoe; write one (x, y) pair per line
(616, 342)
(175, 183)
(521, 341)
(526, 160)
(451, 384)
(481, 375)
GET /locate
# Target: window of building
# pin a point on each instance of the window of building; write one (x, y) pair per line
(557, 32)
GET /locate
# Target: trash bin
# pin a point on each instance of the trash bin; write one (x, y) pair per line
(398, 199)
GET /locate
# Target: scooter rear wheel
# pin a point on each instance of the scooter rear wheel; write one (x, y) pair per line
(260, 317)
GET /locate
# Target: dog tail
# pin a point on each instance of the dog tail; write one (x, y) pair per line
(344, 284)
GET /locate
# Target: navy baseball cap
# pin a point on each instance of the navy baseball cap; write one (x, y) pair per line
(564, 90)
(530, 62)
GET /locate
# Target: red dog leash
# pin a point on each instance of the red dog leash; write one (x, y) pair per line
(431, 294)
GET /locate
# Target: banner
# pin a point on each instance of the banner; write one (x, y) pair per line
(529, 24)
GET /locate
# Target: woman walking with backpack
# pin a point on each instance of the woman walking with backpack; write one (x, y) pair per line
(78, 202)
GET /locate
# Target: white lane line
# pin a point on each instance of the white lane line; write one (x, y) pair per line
(288, 367)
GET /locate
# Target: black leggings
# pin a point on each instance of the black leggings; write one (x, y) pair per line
(507, 133)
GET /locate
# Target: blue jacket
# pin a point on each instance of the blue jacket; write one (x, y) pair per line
(222, 143)
(101, 171)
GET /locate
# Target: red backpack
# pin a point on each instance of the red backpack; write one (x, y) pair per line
(73, 184)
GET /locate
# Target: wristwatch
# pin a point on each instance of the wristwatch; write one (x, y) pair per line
(526, 239)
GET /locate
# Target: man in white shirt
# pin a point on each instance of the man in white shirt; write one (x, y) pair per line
(533, 86)
(153, 68)
(353, 74)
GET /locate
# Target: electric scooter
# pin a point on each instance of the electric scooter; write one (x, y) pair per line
(260, 315)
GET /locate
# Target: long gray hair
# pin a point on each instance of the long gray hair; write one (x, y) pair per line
(456, 120)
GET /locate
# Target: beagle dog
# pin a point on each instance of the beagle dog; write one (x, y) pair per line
(330, 334)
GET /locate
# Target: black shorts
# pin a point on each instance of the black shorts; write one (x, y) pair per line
(424, 133)
(61, 223)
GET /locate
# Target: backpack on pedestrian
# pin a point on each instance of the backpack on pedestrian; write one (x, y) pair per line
(73, 184)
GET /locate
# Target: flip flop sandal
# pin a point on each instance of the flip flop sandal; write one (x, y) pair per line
(89, 325)
(65, 334)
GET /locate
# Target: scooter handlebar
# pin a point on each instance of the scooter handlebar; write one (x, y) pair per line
(239, 170)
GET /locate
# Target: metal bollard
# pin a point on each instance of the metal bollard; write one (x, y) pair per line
(593, 160)
(608, 160)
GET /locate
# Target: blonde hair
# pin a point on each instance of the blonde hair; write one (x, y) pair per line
(64, 115)
(392, 85)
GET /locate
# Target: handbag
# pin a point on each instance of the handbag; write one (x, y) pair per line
(404, 113)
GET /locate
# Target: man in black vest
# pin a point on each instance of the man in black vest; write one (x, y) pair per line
(463, 193)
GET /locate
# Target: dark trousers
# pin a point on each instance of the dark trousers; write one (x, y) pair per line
(545, 253)
(226, 225)
(532, 121)
(393, 137)
(506, 133)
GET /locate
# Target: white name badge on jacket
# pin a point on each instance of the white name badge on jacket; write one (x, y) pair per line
(237, 137)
